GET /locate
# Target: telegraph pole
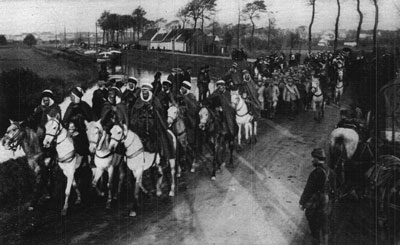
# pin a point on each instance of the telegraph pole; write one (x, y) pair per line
(238, 31)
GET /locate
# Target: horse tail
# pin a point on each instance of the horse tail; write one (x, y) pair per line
(337, 151)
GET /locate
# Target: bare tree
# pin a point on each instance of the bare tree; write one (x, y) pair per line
(376, 23)
(183, 15)
(359, 22)
(336, 26)
(252, 11)
(312, 2)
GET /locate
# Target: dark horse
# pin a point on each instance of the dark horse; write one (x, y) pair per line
(28, 139)
(212, 126)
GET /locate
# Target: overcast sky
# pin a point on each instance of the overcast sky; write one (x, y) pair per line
(18, 16)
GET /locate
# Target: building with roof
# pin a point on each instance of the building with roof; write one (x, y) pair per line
(181, 40)
(147, 37)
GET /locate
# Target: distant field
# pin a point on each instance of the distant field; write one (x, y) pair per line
(18, 56)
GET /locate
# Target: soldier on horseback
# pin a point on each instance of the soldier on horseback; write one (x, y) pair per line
(220, 101)
(99, 97)
(165, 96)
(131, 93)
(74, 120)
(148, 120)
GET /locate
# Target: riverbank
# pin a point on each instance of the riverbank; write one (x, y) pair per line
(164, 61)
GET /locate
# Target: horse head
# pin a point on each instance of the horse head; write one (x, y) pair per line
(204, 114)
(94, 132)
(235, 98)
(118, 135)
(13, 135)
(53, 129)
(173, 112)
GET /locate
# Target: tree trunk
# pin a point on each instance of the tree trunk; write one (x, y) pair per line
(359, 22)
(104, 35)
(310, 26)
(202, 22)
(376, 24)
(269, 33)
(337, 26)
(195, 23)
(252, 34)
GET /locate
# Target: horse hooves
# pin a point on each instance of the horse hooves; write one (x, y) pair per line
(178, 175)
(132, 214)
(213, 178)
(30, 208)
(171, 193)
(63, 212)
(78, 201)
(192, 170)
(159, 193)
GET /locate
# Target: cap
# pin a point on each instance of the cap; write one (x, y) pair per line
(187, 85)
(235, 65)
(167, 82)
(220, 82)
(318, 153)
(147, 86)
(78, 91)
(101, 82)
(132, 80)
(48, 93)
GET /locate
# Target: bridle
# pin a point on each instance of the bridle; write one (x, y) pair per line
(96, 143)
(122, 139)
(57, 133)
(15, 139)
(238, 109)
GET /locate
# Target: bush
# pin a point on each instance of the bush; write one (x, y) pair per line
(17, 181)
(3, 40)
(20, 93)
(30, 40)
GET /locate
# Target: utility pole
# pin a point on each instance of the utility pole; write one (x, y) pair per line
(238, 31)
(96, 38)
(65, 38)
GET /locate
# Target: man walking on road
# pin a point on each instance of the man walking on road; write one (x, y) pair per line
(317, 197)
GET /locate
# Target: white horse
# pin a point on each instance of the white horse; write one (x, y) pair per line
(98, 145)
(317, 102)
(67, 159)
(243, 118)
(176, 123)
(138, 160)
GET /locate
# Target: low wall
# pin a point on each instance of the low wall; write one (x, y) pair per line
(164, 61)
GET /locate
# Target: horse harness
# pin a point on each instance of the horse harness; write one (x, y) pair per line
(123, 138)
(97, 142)
(15, 140)
(238, 109)
(69, 156)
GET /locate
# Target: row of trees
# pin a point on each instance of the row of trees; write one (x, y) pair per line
(198, 12)
(115, 26)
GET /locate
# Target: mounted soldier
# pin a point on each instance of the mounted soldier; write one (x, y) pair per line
(156, 83)
(188, 102)
(220, 101)
(115, 112)
(165, 96)
(148, 120)
(38, 119)
(318, 196)
(99, 97)
(248, 90)
(74, 120)
(131, 93)
(233, 76)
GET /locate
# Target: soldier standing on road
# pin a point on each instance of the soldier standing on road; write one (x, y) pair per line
(317, 197)
(202, 84)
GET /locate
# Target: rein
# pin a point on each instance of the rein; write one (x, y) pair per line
(238, 109)
(58, 131)
(14, 140)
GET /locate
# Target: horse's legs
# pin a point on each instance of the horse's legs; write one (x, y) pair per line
(172, 166)
(246, 131)
(122, 174)
(110, 171)
(215, 159)
(231, 145)
(159, 181)
(137, 175)
(78, 193)
(70, 178)
(255, 129)
(239, 134)
(98, 172)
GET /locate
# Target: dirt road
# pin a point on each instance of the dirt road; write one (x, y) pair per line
(254, 203)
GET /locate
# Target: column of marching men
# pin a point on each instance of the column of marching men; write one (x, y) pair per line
(269, 86)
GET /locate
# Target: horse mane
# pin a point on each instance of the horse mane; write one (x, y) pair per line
(32, 140)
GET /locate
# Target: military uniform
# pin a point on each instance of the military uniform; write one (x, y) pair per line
(318, 196)
(98, 99)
